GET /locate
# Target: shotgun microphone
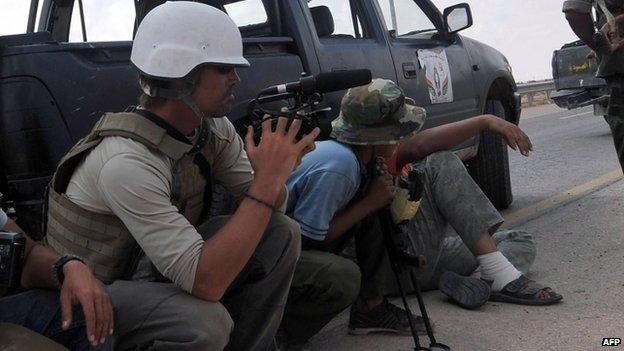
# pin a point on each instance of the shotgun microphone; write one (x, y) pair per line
(322, 83)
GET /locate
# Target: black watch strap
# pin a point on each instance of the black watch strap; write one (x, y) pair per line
(57, 267)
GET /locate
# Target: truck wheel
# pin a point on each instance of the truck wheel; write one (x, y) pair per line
(490, 168)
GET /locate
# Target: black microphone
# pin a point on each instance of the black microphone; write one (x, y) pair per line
(323, 83)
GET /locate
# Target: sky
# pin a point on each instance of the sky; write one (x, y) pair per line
(525, 31)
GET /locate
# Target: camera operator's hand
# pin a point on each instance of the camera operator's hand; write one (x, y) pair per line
(308, 148)
(278, 152)
(381, 189)
(514, 136)
(81, 287)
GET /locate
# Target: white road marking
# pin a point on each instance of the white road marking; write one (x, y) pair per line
(560, 199)
(577, 115)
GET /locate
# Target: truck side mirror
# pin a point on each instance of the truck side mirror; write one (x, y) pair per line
(457, 17)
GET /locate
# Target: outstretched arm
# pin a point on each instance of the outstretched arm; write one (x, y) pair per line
(447, 136)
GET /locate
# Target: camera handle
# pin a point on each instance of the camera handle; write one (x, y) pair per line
(304, 107)
(301, 102)
(400, 260)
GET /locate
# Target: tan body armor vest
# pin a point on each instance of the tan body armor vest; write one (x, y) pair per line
(103, 240)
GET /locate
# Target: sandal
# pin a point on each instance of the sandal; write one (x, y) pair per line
(524, 291)
(467, 292)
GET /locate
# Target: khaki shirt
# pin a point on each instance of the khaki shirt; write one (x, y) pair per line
(124, 178)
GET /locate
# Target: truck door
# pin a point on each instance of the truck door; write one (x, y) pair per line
(54, 86)
(434, 71)
(346, 35)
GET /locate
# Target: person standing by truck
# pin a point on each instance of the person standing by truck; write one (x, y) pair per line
(607, 46)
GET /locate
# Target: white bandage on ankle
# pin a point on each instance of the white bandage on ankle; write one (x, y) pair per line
(496, 268)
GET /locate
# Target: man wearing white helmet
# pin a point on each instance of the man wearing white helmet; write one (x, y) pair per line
(130, 198)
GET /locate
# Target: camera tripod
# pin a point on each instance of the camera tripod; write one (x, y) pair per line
(401, 261)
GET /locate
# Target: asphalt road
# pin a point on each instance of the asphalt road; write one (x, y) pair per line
(570, 148)
(568, 195)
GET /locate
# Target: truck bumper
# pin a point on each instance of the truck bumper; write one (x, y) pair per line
(571, 99)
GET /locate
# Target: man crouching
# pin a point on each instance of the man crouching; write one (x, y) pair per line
(140, 182)
(334, 195)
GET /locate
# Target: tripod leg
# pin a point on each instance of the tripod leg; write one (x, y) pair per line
(397, 275)
(425, 316)
(423, 311)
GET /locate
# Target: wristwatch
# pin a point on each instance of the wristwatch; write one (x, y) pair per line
(57, 267)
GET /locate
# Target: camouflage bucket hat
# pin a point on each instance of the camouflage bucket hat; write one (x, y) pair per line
(377, 114)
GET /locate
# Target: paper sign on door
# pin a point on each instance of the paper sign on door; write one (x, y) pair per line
(437, 75)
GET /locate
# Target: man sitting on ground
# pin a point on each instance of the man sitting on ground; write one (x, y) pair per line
(334, 194)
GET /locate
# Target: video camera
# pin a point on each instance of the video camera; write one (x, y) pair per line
(12, 247)
(303, 97)
(11, 253)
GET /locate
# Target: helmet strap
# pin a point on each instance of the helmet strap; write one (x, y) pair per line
(183, 95)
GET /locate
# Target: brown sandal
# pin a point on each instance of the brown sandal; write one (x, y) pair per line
(524, 291)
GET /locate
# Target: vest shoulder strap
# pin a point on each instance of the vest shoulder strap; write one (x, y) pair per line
(125, 124)
(136, 127)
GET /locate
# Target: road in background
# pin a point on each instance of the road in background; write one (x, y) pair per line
(580, 250)
(570, 148)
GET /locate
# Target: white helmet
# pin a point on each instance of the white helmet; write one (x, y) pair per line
(176, 37)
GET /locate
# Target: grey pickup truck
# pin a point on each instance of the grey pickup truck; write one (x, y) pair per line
(72, 64)
(575, 79)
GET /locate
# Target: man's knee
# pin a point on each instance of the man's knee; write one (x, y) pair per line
(165, 317)
(338, 283)
(281, 240)
(209, 324)
(286, 233)
(195, 325)
(347, 278)
(443, 160)
(518, 247)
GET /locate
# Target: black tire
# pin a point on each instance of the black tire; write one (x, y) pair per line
(490, 168)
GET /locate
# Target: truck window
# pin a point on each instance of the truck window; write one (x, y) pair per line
(337, 19)
(247, 13)
(14, 17)
(111, 20)
(407, 19)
